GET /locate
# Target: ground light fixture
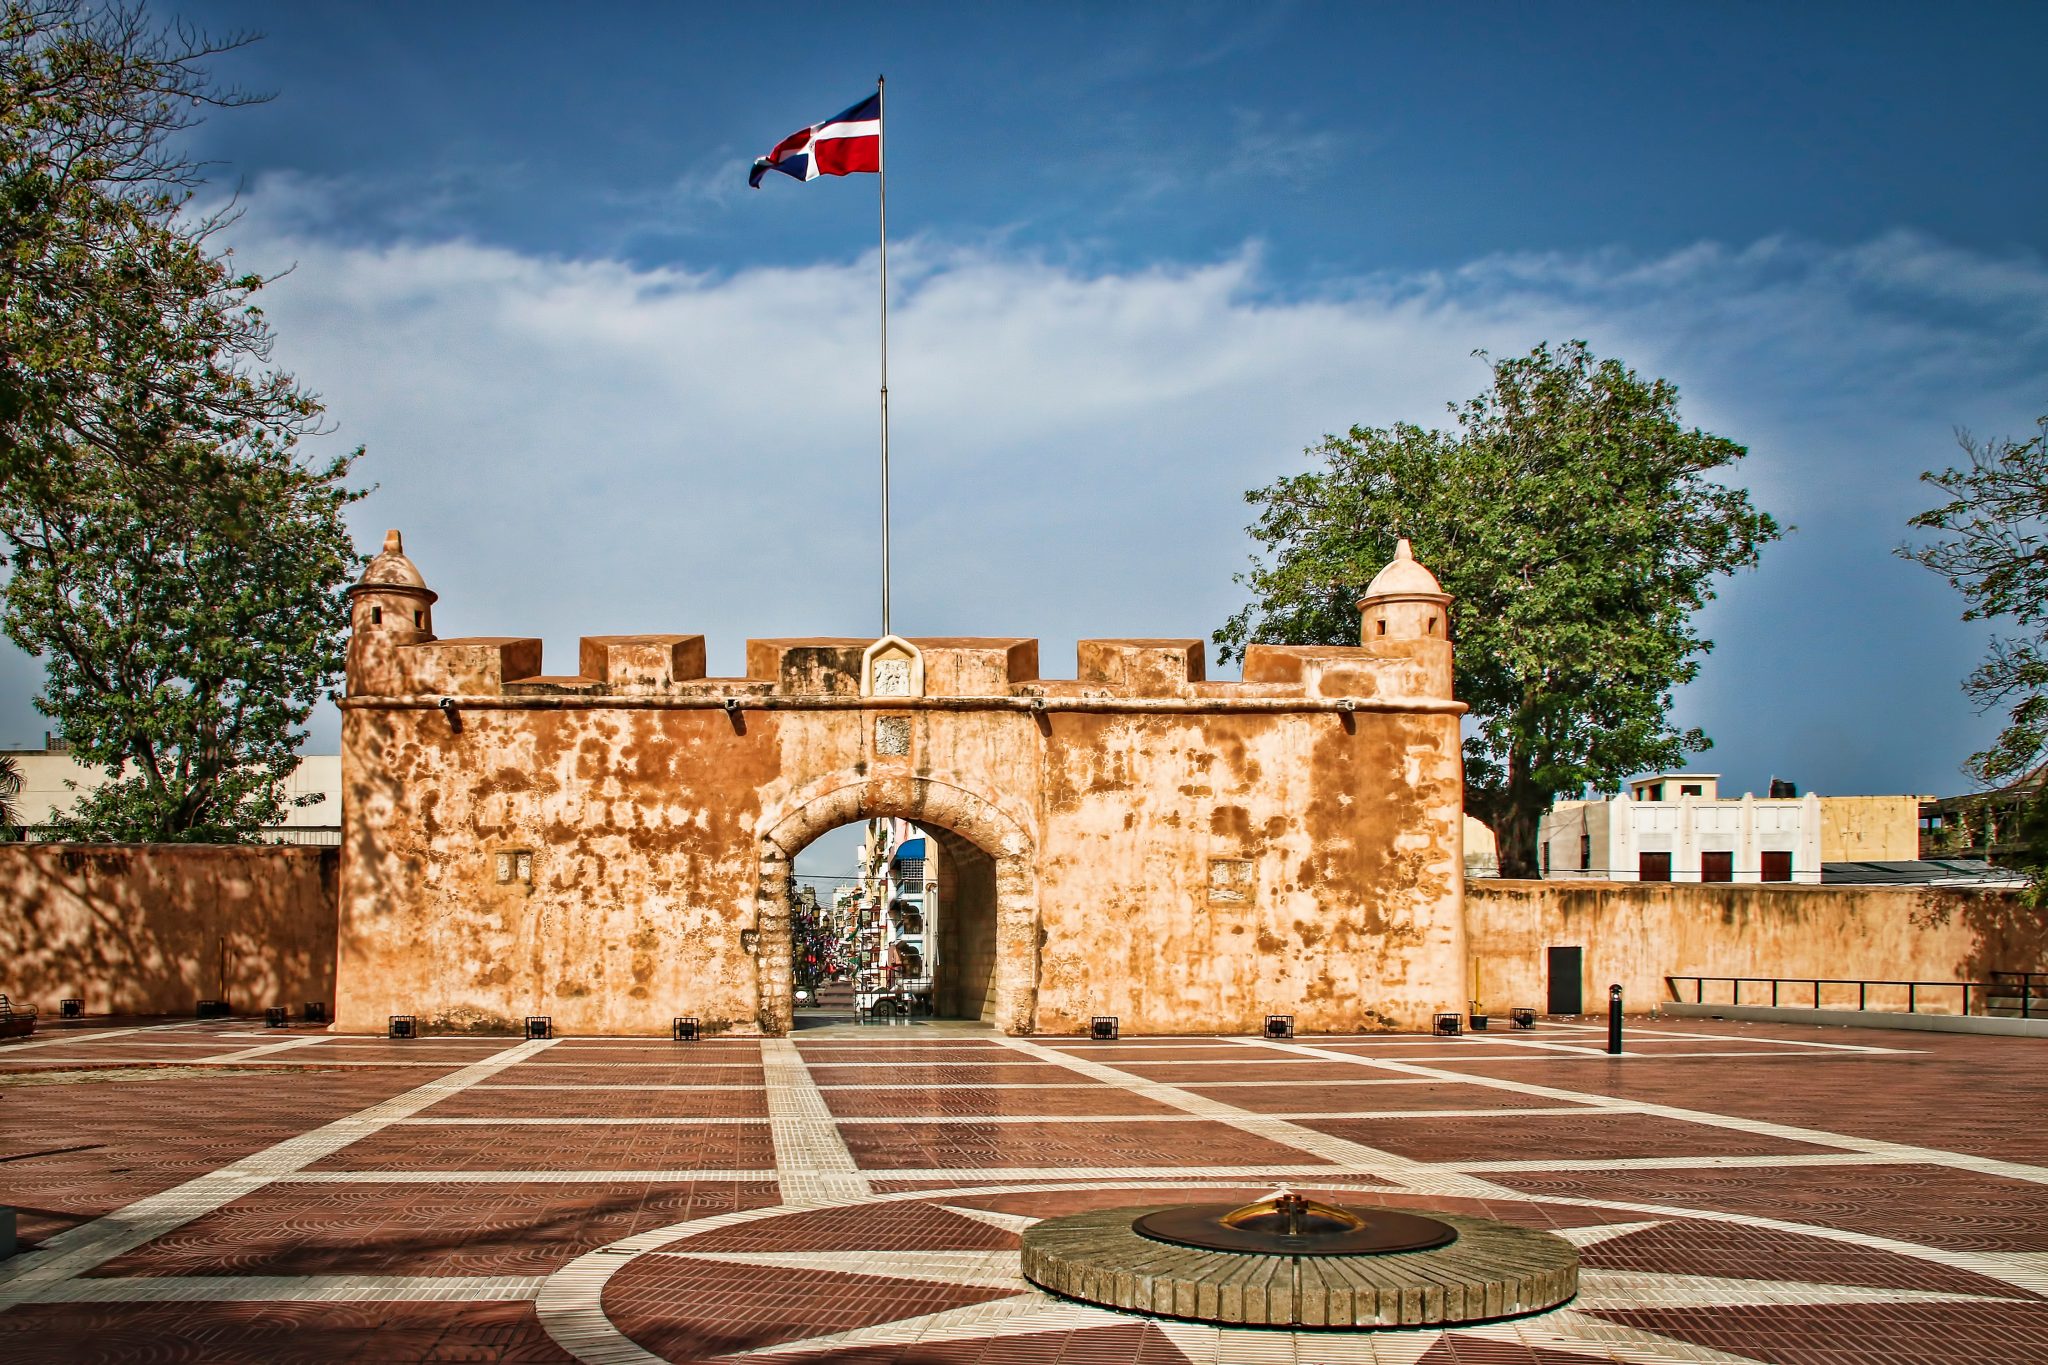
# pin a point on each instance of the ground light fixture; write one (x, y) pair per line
(277, 1016)
(1522, 1017)
(1449, 1025)
(403, 1026)
(72, 1009)
(686, 1028)
(315, 1012)
(540, 1026)
(213, 1009)
(1279, 1026)
(1102, 1028)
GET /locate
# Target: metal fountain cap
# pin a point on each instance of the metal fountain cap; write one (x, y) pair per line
(1288, 1224)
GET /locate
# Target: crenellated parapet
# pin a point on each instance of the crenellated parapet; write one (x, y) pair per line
(1404, 655)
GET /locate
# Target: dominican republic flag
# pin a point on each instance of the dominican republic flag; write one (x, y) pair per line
(841, 145)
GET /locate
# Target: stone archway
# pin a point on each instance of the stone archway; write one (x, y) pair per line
(970, 822)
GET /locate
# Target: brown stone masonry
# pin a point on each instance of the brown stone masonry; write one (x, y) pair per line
(611, 847)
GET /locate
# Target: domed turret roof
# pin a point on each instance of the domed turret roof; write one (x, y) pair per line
(391, 569)
(1404, 577)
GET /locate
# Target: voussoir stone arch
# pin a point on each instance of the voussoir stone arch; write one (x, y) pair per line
(948, 807)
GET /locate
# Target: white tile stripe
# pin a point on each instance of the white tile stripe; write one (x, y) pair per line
(76, 1250)
(814, 1164)
(264, 1050)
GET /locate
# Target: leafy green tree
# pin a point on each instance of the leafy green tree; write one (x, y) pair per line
(1992, 547)
(174, 560)
(1580, 526)
(127, 334)
(184, 647)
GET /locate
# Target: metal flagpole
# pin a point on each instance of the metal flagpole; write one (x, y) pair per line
(882, 169)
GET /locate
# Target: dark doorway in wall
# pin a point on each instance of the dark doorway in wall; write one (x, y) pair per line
(1777, 865)
(1717, 867)
(1566, 969)
(1654, 867)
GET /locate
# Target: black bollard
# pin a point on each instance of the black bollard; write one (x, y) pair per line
(1614, 1021)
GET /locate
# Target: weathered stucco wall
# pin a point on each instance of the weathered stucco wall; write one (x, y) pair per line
(156, 928)
(1879, 829)
(1638, 933)
(610, 848)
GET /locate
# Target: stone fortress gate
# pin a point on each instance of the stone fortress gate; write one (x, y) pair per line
(612, 847)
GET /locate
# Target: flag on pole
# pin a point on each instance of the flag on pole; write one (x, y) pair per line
(841, 145)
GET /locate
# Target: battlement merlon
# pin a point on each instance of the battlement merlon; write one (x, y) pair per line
(1403, 660)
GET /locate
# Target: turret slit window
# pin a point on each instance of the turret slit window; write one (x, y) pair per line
(376, 616)
(1382, 625)
(417, 618)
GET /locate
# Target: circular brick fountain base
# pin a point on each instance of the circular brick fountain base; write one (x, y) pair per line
(1493, 1270)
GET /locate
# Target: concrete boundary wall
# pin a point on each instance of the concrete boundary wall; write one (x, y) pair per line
(1637, 933)
(155, 928)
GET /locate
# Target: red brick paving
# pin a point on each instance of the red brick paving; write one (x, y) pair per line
(455, 1229)
(694, 1310)
(483, 1101)
(1364, 1099)
(1078, 1143)
(78, 1151)
(1739, 1252)
(861, 1228)
(146, 1127)
(564, 1147)
(1086, 1098)
(275, 1334)
(1982, 1334)
(1530, 1137)
(1933, 1205)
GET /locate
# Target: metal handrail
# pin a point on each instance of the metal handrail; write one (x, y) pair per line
(1863, 985)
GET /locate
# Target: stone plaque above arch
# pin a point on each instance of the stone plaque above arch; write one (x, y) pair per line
(892, 667)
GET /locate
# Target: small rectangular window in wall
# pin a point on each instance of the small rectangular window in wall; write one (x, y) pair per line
(1690, 790)
(1717, 867)
(1230, 881)
(1585, 853)
(1546, 857)
(1654, 867)
(516, 865)
(1777, 865)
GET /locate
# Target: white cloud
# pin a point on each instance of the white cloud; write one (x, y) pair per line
(579, 446)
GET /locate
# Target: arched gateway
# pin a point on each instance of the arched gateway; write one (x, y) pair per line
(611, 848)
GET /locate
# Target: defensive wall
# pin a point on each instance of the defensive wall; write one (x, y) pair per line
(1634, 934)
(610, 847)
(155, 928)
(152, 929)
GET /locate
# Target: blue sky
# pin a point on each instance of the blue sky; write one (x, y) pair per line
(1142, 256)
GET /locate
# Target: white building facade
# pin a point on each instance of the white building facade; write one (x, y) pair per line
(52, 781)
(1676, 827)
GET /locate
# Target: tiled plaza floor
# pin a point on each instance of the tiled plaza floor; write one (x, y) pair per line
(1740, 1193)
